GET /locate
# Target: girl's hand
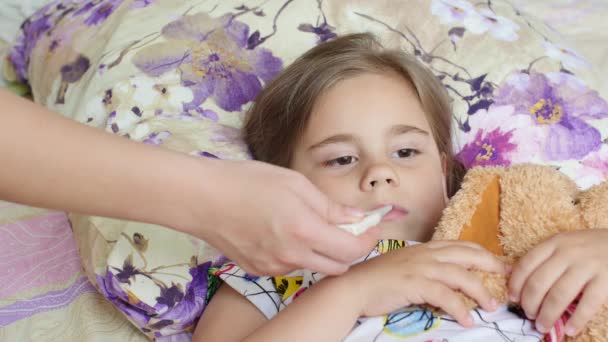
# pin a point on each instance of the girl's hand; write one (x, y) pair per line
(553, 274)
(428, 273)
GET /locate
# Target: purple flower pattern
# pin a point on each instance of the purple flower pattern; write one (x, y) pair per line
(46, 19)
(32, 30)
(177, 308)
(213, 58)
(559, 104)
(102, 11)
(323, 31)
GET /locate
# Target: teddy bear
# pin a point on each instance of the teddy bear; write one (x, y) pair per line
(509, 210)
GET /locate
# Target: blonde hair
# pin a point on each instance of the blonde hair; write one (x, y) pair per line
(281, 111)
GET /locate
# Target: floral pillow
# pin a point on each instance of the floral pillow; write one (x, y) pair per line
(180, 74)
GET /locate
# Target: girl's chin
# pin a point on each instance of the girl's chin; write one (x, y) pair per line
(399, 231)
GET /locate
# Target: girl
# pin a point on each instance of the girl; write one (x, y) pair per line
(370, 127)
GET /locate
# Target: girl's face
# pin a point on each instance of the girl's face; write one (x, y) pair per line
(368, 144)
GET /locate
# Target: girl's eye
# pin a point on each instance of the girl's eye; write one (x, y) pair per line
(406, 153)
(341, 161)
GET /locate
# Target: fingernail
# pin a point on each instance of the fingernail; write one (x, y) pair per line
(508, 269)
(570, 330)
(513, 298)
(493, 304)
(540, 328)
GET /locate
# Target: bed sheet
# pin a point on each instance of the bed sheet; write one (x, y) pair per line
(45, 295)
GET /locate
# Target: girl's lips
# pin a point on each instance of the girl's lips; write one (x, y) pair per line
(395, 214)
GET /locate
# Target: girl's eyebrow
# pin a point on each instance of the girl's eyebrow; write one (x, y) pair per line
(349, 138)
(334, 139)
(403, 129)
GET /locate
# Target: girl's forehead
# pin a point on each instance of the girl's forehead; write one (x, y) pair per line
(368, 102)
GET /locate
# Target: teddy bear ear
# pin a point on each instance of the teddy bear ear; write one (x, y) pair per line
(483, 228)
(474, 211)
(593, 204)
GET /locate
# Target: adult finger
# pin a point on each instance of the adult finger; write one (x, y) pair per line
(338, 213)
(327, 209)
(320, 263)
(336, 243)
(265, 267)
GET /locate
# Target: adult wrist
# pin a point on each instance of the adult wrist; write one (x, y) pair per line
(192, 186)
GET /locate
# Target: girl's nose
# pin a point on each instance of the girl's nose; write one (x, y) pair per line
(379, 175)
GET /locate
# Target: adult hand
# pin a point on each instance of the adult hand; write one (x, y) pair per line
(272, 220)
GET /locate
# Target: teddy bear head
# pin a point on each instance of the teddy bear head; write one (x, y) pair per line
(509, 210)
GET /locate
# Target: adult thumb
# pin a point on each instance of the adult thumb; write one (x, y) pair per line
(339, 214)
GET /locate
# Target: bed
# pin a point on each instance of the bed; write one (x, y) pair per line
(47, 296)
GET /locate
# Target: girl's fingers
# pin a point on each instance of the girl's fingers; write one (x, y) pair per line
(441, 296)
(469, 257)
(538, 284)
(560, 296)
(459, 278)
(526, 266)
(447, 243)
(593, 298)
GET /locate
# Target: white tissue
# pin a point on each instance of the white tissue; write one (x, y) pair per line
(371, 219)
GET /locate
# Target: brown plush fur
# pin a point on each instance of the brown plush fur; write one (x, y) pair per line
(534, 203)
